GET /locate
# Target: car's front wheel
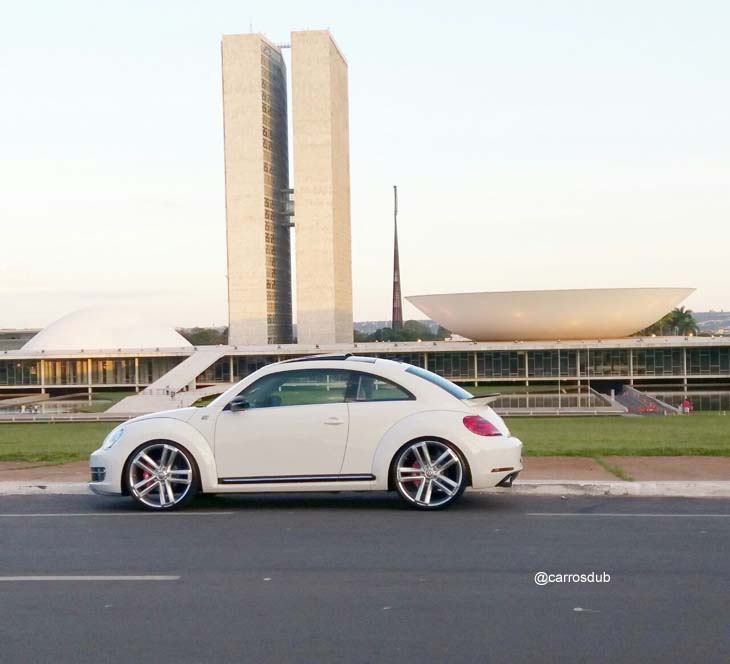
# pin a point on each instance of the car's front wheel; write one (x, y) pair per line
(161, 475)
(429, 474)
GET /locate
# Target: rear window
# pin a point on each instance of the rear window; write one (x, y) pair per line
(453, 389)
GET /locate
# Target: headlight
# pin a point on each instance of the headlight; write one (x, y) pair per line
(113, 438)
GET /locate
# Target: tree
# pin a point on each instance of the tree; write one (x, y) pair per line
(679, 321)
(205, 336)
(412, 330)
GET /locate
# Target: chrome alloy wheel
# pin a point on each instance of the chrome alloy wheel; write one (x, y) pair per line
(429, 474)
(160, 476)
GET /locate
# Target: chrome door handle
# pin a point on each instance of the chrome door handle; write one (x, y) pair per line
(334, 420)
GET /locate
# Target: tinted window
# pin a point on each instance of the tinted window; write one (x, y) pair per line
(298, 388)
(451, 388)
(366, 387)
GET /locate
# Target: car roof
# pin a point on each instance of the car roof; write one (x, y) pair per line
(346, 361)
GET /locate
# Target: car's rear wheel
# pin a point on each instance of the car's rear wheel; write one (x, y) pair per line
(429, 474)
(161, 475)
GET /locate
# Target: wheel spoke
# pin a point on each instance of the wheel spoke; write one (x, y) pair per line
(419, 493)
(424, 450)
(162, 493)
(448, 458)
(163, 457)
(429, 488)
(140, 464)
(448, 481)
(144, 481)
(148, 488)
(171, 459)
(410, 474)
(170, 492)
(150, 461)
(449, 492)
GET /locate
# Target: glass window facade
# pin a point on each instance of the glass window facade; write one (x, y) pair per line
(244, 366)
(152, 368)
(112, 372)
(500, 364)
(708, 361)
(609, 362)
(276, 196)
(20, 372)
(658, 362)
(220, 372)
(452, 365)
(66, 372)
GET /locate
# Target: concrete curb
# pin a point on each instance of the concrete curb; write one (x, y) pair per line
(520, 488)
(675, 489)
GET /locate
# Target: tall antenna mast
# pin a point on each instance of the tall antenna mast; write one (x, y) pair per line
(397, 319)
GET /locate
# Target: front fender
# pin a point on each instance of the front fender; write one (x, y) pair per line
(163, 428)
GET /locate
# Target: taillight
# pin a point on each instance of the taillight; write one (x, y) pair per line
(481, 427)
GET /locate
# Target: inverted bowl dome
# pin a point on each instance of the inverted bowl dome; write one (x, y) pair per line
(105, 328)
(601, 313)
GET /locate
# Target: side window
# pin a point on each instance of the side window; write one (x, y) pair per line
(297, 388)
(366, 387)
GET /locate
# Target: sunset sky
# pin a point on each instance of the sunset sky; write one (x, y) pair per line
(535, 145)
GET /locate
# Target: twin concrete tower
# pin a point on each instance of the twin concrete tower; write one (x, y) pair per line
(261, 204)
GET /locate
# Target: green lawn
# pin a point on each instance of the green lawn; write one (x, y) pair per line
(54, 443)
(706, 434)
(699, 435)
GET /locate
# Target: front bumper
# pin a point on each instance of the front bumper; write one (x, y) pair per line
(106, 474)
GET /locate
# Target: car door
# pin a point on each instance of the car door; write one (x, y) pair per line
(375, 405)
(295, 425)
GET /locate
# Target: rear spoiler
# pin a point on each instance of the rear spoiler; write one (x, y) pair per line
(483, 400)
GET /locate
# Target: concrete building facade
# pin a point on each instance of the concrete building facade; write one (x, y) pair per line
(322, 189)
(257, 184)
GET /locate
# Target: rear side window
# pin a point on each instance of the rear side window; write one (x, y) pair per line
(453, 389)
(367, 387)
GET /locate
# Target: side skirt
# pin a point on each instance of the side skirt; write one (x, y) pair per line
(295, 479)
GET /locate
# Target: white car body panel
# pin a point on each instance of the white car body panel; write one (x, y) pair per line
(334, 440)
(286, 440)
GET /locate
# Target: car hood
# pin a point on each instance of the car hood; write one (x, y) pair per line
(183, 414)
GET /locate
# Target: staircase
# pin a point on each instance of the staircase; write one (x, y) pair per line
(639, 403)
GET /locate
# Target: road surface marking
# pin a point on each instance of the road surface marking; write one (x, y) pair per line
(90, 578)
(52, 514)
(635, 514)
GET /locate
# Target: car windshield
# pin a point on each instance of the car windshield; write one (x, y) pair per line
(453, 389)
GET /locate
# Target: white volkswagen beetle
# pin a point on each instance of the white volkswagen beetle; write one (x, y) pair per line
(324, 423)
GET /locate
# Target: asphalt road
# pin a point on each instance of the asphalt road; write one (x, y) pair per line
(357, 578)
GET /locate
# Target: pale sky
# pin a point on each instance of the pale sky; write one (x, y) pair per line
(566, 144)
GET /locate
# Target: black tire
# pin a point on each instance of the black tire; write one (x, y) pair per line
(161, 476)
(429, 474)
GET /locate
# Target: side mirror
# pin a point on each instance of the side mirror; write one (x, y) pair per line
(238, 403)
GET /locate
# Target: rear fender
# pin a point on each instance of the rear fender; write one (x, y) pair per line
(442, 425)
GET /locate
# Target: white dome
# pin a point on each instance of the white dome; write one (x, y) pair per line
(106, 328)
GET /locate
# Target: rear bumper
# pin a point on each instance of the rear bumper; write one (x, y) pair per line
(495, 465)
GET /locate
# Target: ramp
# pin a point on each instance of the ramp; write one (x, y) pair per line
(167, 392)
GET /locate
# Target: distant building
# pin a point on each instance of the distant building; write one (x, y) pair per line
(322, 189)
(256, 148)
(258, 195)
